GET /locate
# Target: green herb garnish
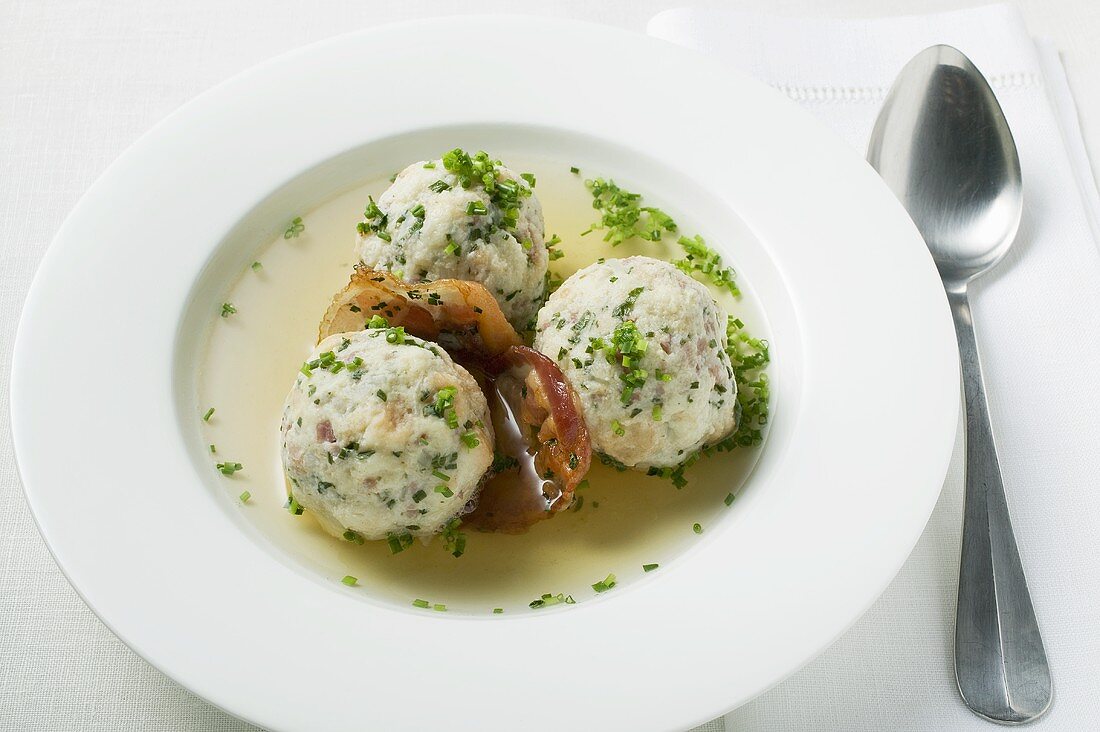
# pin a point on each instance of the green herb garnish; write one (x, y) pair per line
(482, 171)
(376, 221)
(548, 600)
(502, 462)
(399, 542)
(701, 258)
(622, 216)
(629, 347)
(454, 541)
(444, 406)
(605, 584)
(349, 580)
(295, 229)
(229, 468)
(228, 309)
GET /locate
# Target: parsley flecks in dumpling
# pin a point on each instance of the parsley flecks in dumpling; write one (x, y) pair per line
(463, 217)
(643, 345)
(385, 437)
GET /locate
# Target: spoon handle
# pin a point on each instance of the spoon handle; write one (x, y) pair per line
(1000, 663)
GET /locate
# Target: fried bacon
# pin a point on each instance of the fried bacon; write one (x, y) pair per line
(461, 316)
(552, 408)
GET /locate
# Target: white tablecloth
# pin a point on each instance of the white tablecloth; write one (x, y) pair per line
(79, 81)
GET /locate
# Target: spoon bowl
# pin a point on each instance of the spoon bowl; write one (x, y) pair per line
(942, 144)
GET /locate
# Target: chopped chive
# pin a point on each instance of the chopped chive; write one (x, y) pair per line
(229, 468)
(470, 440)
(399, 542)
(419, 496)
(529, 177)
(498, 610)
(656, 412)
(547, 599)
(730, 498)
(605, 584)
(649, 567)
(617, 427)
(439, 607)
(697, 528)
(228, 309)
(429, 165)
(295, 229)
(439, 186)
(245, 496)
(421, 603)
(213, 449)
(294, 507)
(701, 258)
(209, 413)
(476, 208)
(574, 169)
(444, 491)
(349, 580)
(453, 248)
(353, 536)
(381, 394)
(622, 215)
(256, 266)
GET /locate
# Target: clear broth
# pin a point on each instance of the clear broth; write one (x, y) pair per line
(623, 519)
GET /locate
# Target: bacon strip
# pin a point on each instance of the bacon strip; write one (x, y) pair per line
(552, 407)
(460, 316)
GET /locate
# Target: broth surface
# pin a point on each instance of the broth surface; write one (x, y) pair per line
(621, 520)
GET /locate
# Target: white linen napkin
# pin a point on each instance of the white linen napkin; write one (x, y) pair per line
(1038, 327)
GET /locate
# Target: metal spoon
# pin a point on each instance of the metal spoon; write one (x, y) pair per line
(942, 144)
